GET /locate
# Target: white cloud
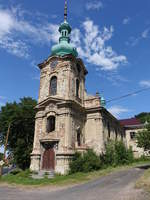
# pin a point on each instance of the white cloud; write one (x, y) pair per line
(17, 34)
(118, 110)
(133, 41)
(126, 20)
(91, 45)
(145, 83)
(145, 33)
(94, 5)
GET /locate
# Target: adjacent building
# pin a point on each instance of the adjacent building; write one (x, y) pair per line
(131, 127)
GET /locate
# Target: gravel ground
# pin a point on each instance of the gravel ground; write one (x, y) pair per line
(117, 186)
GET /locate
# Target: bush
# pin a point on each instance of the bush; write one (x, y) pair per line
(87, 162)
(117, 154)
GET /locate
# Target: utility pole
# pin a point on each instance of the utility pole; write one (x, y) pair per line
(5, 149)
(6, 142)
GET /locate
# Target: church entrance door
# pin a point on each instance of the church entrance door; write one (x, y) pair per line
(48, 159)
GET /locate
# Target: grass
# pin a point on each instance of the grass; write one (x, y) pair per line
(144, 181)
(24, 178)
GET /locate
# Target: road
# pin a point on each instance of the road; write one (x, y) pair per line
(116, 186)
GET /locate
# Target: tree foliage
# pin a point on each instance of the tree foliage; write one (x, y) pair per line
(1, 156)
(144, 117)
(117, 154)
(143, 138)
(21, 117)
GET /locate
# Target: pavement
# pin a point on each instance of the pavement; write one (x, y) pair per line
(116, 186)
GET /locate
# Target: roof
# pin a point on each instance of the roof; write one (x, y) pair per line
(130, 122)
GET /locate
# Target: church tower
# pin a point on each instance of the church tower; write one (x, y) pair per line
(68, 119)
(60, 118)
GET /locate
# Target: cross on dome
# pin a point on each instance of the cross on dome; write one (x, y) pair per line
(65, 11)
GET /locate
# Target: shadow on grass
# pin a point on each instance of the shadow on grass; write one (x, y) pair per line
(145, 167)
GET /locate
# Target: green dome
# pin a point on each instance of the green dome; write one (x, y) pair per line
(64, 47)
(103, 102)
(65, 26)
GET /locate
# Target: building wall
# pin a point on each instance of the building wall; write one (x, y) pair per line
(138, 152)
(73, 114)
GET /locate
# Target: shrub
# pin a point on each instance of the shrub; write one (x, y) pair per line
(117, 154)
(87, 162)
(76, 165)
(91, 161)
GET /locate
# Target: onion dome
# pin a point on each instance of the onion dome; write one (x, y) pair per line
(103, 102)
(64, 47)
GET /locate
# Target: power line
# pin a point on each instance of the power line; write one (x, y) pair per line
(128, 95)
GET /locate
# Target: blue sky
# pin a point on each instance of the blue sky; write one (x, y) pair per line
(112, 37)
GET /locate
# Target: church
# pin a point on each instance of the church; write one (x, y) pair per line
(67, 118)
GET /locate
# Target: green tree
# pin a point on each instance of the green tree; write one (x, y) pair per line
(143, 138)
(144, 117)
(1, 156)
(21, 117)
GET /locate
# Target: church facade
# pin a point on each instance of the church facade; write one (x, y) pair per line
(68, 119)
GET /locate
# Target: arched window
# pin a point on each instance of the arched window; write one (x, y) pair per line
(79, 138)
(53, 85)
(50, 124)
(77, 88)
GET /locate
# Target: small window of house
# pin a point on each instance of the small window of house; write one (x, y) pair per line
(50, 124)
(132, 135)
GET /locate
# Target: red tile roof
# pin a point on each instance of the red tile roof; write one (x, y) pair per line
(130, 122)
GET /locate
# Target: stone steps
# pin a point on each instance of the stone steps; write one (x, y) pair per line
(42, 173)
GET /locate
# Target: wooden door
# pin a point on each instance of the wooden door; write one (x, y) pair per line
(48, 159)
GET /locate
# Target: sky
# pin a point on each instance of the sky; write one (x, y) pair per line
(112, 37)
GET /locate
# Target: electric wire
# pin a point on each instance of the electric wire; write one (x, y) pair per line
(128, 95)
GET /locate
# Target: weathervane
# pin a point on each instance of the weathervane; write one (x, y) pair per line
(65, 11)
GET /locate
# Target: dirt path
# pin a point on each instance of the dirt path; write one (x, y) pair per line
(117, 186)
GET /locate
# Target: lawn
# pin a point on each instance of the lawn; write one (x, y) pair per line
(24, 177)
(144, 181)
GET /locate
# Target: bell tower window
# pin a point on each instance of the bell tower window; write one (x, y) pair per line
(50, 124)
(53, 86)
(77, 88)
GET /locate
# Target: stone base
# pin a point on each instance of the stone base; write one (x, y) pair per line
(62, 163)
(35, 162)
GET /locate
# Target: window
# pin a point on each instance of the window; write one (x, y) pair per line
(53, 85)
(108, 126)
(50, 124)
(132, 135)
(77, 88)
(116, 134)
(79, 138)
